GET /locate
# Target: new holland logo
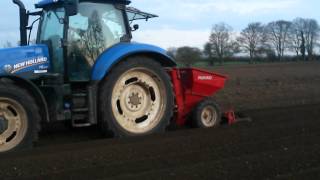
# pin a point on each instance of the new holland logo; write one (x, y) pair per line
(28, 63)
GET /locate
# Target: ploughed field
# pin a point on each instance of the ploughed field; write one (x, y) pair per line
(282, 141)
(270, 85)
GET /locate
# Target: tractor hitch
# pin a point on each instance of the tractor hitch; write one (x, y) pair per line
(231, 117)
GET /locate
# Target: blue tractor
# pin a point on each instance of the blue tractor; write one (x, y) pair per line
(84, 70)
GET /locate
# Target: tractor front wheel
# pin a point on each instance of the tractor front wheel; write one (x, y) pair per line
(19, 117)
(136, 98)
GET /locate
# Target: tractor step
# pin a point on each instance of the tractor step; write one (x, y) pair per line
(80, 120)
(80, 117)
(81, 125)
(83, 106)
(80, 110)
(80, 95)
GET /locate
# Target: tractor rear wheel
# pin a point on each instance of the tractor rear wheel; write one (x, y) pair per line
(136, 98)
(19, 117)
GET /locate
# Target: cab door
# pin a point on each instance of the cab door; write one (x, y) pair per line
(51, 32)
(95, 28)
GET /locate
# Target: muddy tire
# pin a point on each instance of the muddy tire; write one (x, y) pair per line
(206, 114)
(19, 118)
(136, 98)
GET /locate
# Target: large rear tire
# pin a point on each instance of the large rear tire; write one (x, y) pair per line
(136, 98)
(19, 117)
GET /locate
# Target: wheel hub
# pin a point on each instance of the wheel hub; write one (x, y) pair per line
(209, 116)
(3, 124)
(135, 100)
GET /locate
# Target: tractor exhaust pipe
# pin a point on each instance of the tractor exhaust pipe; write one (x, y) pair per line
(23, 22)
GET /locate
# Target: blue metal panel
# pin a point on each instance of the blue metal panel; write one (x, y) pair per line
(44, 3)
(25, 59)
(122, 50)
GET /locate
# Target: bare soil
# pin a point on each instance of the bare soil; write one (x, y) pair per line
(270, 85)
(282, 141)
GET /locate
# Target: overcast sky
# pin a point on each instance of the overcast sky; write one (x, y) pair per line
(186, 22)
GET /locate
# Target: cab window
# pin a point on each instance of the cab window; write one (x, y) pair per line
(95, 28)
(51, 33)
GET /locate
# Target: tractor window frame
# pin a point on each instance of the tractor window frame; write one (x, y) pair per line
(50, 8)
(122, 8)
(57, 59)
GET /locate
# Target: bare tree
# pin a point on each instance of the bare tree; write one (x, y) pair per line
(296, 36)
(222, 42)
(208, 52)
(252, 39)
(278, 33)
(93, 40)
(311, 36)
(303, 34)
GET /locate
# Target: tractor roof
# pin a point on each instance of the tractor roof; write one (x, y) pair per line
(44, 3)
(136, 14)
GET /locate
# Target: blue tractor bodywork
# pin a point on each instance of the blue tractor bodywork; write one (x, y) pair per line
(26, 61)
(123, 50)
(44, 3)
(34, 67)
(31, 62)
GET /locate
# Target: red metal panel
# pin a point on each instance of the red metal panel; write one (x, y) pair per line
(179, 95)
(191, 86)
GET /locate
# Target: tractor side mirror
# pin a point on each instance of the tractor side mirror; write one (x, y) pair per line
(135, 27)
(71, 7)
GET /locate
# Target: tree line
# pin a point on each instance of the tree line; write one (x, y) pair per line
(275, 41)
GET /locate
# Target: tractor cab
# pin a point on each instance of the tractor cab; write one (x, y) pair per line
(77, 33)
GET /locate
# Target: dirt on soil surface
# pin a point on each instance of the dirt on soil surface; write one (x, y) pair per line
(279, 143)
(270, 85)
(275, 145)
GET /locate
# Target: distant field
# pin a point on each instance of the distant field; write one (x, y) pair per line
(270, 85)
(205, 64)
(245, 62)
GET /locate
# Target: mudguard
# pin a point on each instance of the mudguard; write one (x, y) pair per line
(122, 50)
